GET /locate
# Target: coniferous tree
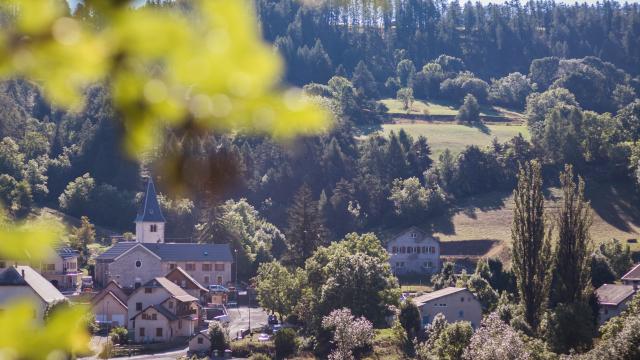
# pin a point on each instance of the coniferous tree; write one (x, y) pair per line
(531, 251)
(364, 82)
(306, 229)
(573, 256)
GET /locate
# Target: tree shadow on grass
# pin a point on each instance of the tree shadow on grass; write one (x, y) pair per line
(469, 207)
(615, 203)
(481, 126)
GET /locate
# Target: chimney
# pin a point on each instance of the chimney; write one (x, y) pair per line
(22, 273)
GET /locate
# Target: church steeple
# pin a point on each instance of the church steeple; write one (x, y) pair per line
(150, 221)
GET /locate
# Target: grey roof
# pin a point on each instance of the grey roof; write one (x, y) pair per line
(116, 250)
(633, 274)
(423, 299)
(39, 284)
(191, 252)
(613, 294)
(173, 289)
(66, 252)
(174, 251)
(11, 277)
(150, 208)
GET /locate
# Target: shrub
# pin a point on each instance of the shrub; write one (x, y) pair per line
(119, 335)
(259, 357)
(285, 342)
(219, 336)
(245, 348)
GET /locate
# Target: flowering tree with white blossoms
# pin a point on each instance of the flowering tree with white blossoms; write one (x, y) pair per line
(348, 333)
(495, 340)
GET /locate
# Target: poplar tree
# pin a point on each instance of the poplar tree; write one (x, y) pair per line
(531, 251)
(573, 256)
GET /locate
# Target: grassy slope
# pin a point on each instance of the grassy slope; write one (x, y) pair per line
(443, 108)
(485, 221)
(456, 137)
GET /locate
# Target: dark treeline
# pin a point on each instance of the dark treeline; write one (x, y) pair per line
(493, 40)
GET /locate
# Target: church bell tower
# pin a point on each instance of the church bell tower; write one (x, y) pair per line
(150, 221)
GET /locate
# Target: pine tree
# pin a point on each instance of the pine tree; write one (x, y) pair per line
(306, 229)
(396, 158)
(531, 252)
(364, 82)
(572, 268)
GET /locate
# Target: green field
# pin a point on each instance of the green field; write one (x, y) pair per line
(420, 107)
(481, 225)
(455, 137)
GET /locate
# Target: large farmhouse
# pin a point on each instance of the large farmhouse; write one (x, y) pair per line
(414, 251)
(133, 263)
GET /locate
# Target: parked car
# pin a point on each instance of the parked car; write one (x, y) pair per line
(87, 283)
(218, 288)
(272, 320)
(224, 319)
(263, 337)
(275, 328)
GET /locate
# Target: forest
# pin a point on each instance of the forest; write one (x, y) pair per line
(307, 215)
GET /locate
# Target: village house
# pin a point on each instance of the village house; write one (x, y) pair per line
(612, 300)
(413, 251)
(632, 277)
(456, 304)
(133, 263)
(22, 283)
(160, 310)
(181, 278)
(60, 267)
(110, 305)
(200, 343)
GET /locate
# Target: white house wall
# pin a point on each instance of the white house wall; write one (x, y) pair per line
(411, 261)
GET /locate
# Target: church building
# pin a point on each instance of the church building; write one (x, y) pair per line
(133, 263)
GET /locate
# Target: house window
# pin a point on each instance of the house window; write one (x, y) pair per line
(424, 249)
(394, 250)
(219, 267)
(428, 264)
(138, 263)
(461, 313)
(206, 267)
(154, 316)
(432, 249)
(409, 250)
(206, 280)
(418, 249)
(148, 290)
(183, 283)
(51, 267)
(414, 235)
(200, 340)
(139, 306)
(191, 267)
(141, 331)
(403, 250)
(159, 332)
(153, 228)
(172, 266)
(461, 299)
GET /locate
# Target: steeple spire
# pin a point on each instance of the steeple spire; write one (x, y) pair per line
(150, 208)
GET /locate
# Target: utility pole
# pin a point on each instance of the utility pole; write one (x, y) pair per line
(236, 253)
